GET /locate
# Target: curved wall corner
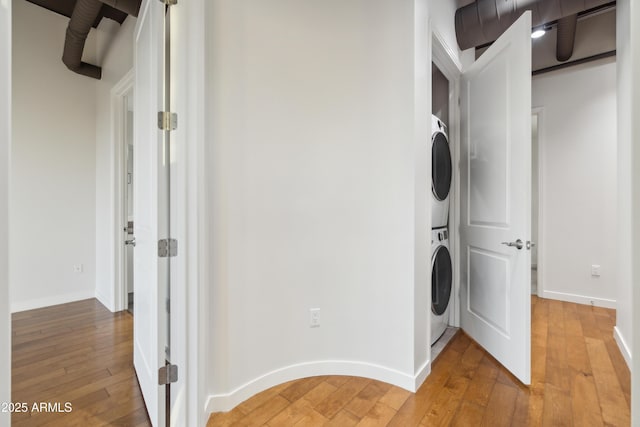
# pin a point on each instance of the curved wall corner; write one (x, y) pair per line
(226, 402)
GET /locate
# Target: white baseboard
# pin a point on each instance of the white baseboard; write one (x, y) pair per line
(580, 299)
(32, 304)
(421, 375)
(622, 345)
(107, 302)
(226, 402)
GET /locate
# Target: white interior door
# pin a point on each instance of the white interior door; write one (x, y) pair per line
(149, 201)
(495, 205)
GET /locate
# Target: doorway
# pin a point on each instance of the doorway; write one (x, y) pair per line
(122, 118)
(536, 116)
(441, 180)
(128, 212)
(445, 72)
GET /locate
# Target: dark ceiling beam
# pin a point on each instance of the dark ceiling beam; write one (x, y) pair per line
(575, 62)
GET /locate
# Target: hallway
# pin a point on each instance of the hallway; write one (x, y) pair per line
(79, 353)
(578, 378)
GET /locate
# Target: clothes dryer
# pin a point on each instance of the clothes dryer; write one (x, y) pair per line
(441, 174)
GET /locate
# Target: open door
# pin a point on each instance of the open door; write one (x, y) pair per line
(150, 199)
(495, 199)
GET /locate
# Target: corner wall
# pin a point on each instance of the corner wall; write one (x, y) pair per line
(5, 138)
(53, 161)
(311, 173)
(577, 136)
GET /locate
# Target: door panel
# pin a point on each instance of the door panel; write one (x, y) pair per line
(495, 202)
(149, 200)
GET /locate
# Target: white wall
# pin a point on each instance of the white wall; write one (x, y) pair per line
(53, 162)
(577, 135)
(116, 53)
(311, 172)
(442, 18)
(623, 332)
(634, 283)
(5, 138)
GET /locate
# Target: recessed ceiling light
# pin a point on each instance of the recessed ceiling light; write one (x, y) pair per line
(536, 34)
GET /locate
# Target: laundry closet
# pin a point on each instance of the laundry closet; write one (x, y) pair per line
(441, 182)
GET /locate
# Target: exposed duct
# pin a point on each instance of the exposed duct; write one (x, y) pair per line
(84, 15)
(80, 24)
(566, 36)
(484, 21)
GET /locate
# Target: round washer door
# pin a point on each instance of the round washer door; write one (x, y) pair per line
(441, 281)
(441, 169)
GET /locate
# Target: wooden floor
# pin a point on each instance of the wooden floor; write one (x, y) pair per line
(79, 353)
(579, 378)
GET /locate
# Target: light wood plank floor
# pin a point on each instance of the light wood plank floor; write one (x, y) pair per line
(578, 378)
(79, 353)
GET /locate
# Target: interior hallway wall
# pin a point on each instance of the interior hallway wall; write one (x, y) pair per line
(116, 53)
(311, 176)
(5, 138)
(624, 294)
(53, 165)
(578, 191)
(634, 283)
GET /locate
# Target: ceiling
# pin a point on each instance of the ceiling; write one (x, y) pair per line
(65, 7)
(595, 35)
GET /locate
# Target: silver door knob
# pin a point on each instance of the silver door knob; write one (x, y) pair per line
(130, 242)
(518, 244)
(530, 244)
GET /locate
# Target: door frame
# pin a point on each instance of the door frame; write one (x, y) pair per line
(445, 59)
(118, 139)
(190, 297)
(539, 112)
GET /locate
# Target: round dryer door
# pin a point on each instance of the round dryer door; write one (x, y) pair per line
(441, 168)
(441, 281)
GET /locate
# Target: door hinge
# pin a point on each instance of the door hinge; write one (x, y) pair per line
(167, 248)
(167, 374)
(169, 2)
(167, 121)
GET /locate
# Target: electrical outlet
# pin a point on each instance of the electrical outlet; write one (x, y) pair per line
(314, 317)
(77, 268)
(595, 270)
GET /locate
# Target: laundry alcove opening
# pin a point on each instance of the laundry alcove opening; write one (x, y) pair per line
(442, 267)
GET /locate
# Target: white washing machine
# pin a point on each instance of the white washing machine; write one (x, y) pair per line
(441, 282)
(441, 173)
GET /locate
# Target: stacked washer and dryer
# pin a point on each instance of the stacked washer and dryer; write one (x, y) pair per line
(441, 265)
